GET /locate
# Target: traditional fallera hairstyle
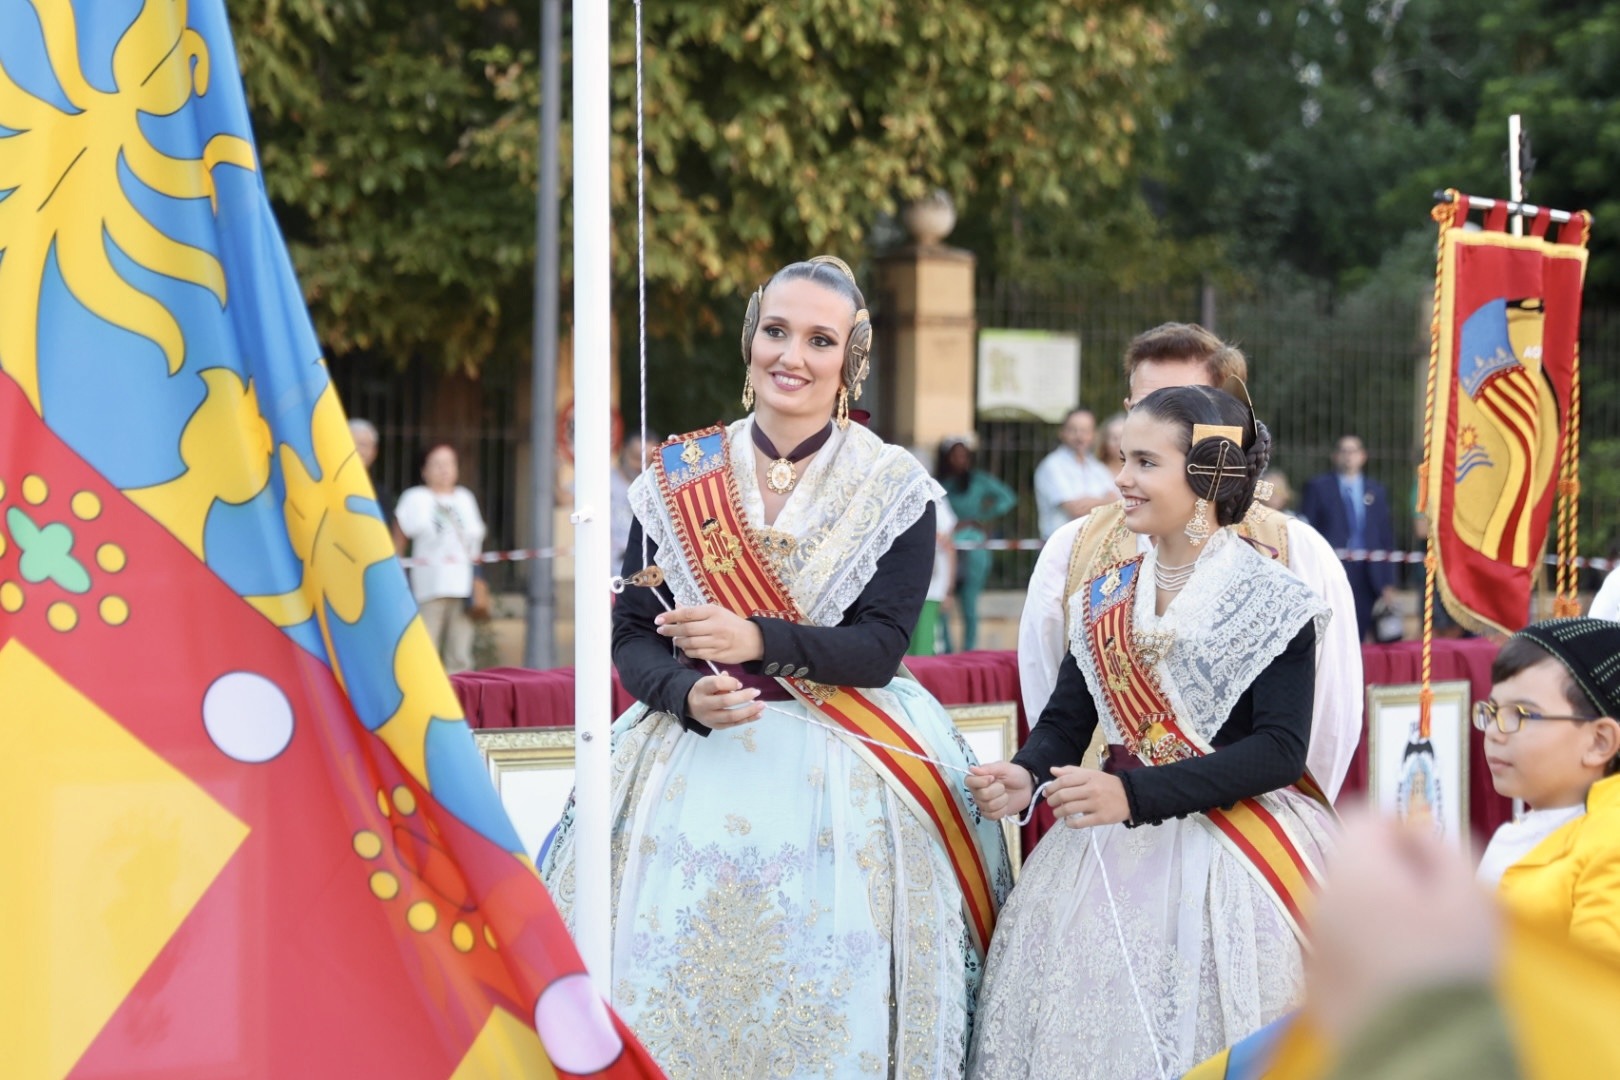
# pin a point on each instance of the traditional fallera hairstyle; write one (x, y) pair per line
(1227, 448)
(833, 273)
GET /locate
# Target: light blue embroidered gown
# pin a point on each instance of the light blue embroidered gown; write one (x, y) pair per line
(779, 910)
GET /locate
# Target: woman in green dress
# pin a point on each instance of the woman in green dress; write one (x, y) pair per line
(977, 498)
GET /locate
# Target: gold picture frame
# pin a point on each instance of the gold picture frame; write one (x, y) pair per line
(533, 773)
(1406, 776)
(992, 732)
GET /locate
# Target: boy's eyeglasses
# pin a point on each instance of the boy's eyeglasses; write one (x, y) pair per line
(1509, 718)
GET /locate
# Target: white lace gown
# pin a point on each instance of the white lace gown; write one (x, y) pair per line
(1140, 952)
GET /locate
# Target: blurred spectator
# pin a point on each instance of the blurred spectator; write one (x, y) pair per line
(925, 640)
(1069, 482)
(1351, 511)
(1282, 492)
(446, 531)
(1606, 604)
(626, 468)
(976, 498)
(1108, 446)
(364, 433)
(1416, 973)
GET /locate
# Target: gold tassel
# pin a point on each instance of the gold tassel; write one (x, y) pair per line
(843, 408)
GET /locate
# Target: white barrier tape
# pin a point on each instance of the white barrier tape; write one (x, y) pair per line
(1583, 562)
(494, 557)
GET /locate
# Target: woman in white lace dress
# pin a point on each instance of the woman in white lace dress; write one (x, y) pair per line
(789, 901)
(1163, 923)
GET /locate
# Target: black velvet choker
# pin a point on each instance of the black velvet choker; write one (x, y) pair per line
(780, 475)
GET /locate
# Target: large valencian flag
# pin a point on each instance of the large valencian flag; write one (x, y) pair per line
(246, 829)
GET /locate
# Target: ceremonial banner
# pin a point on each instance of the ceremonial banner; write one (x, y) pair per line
(1502, 410)
(247, 830)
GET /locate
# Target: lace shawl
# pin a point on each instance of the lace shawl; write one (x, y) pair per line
(855, 497)
(1236, 614)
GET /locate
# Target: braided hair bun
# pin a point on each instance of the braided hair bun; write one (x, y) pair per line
(1220, 469)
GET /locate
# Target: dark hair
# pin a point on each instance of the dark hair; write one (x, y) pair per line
(1233, 491)
(428, 451)
(1519, 654)
(1224, 364)
(950, 478)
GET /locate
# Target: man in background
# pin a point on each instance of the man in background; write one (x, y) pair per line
(364, 433)
(1070, 482)
(1351, 511)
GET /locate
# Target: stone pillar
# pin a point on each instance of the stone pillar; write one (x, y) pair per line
(928, 295)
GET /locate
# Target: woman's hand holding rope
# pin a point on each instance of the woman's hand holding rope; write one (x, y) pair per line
(1081, 798)
(720, 701)
(1000, 789)
(710, 632)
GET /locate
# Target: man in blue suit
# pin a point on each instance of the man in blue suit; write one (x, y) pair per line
(1352, 511)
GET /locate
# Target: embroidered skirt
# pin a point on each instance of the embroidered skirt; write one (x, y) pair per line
(778, 912)
(1211, 956)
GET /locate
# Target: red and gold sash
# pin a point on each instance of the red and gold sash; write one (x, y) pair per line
(694, 477)
(1154, 733)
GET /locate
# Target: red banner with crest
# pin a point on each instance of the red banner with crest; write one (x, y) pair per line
(1502, 410)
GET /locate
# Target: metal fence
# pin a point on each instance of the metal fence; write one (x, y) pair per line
(1322, 365)
(417, 406)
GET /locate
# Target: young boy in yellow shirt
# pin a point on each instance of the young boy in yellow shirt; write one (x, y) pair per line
(1552, 740)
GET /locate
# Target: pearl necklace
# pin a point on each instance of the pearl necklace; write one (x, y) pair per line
(1173, 578)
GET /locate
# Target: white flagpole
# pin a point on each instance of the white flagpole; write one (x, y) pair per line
(592, 449)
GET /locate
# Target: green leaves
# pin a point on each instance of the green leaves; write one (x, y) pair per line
(399, 142)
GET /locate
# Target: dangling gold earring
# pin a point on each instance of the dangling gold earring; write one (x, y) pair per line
(1198, 526)
(843, 408)
(748, 392)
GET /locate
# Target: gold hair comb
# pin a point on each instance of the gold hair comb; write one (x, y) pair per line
(1217, 431)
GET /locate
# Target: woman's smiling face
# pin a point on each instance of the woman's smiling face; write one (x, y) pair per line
(1158, 498)
(797, 357)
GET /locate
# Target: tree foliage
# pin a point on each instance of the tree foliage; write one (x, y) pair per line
(1306, 129)
(400, 141)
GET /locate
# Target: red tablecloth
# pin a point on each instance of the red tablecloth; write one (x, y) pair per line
(518, 697)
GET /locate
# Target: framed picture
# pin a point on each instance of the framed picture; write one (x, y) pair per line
(1416, 779)
(533, 773)
(992, 733)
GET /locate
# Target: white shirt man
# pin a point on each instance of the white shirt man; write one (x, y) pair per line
(1337, 715)
(1070, 482)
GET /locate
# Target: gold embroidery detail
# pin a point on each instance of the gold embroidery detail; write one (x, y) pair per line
(1153, 646)
(1117, 664)
(776, 546)
(693, 453)
(721, 549)
(1111, 583)
(820, 693)
(737, 825)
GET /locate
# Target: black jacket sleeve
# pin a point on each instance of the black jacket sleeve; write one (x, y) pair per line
(866, 649)
(1065, 727)
(648, 665)
(1252, 757)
